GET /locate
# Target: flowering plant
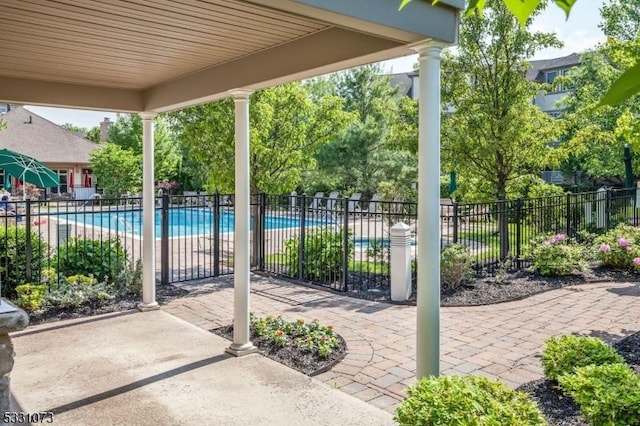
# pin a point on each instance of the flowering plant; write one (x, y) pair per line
(555, 255)
(618, 248)
(167, 186)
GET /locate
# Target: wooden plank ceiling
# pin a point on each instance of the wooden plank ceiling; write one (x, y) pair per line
(135, 44)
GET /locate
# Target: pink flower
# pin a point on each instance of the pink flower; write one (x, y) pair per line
(560, 237)
(605, 247)
(636, 260)
(623, 242)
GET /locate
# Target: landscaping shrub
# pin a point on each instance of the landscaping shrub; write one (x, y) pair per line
(78, 290)
(456, 266)
(607, 394)
(311, 337)
(563, 354)
(323, 255)
(466, 400)
(129, 280)
(31, 297)
(13, 257)
(618, 247)
(103, 260)
(555, 255)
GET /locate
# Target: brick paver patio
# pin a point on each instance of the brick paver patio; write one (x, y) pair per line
(501, 341)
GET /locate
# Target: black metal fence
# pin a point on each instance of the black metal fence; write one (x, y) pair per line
(336, 242)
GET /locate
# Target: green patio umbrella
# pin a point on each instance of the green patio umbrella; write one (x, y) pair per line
(27, 169)
(453, 184)
(628, 171)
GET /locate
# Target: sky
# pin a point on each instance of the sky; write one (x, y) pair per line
(579, 32)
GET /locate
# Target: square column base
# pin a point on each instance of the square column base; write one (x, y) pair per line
(144, 307)
(240, 350)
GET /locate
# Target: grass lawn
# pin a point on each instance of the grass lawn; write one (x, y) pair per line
(354, 265)
(489, 236)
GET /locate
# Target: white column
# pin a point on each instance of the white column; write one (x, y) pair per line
(428, 236)
(241, 344)
(148, 216)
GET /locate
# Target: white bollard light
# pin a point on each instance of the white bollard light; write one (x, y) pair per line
(400, 262)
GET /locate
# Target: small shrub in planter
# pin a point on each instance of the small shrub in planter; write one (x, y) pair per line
(618, 247)
(103, 260)
(555, 255)
(323, 255)
(466, 400)
(456, 266)
(31, 297)
(607, 394)
(563, 354)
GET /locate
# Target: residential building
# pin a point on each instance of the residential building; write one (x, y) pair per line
(62, 151)
(546, 71)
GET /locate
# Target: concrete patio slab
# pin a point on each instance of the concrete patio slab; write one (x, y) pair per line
(151, 368)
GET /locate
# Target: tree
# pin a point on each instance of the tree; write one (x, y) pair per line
(622, 89)
(490, 128)
(117, 170)
(126, 132)
(287, 129)
(596, 134)
(94, 134)
(358, 159)
(82, 131)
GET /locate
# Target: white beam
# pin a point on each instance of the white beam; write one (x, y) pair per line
(241, 344)
(428, 236)
(148, 216)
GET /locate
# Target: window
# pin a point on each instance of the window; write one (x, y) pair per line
(550, 77)
(62, 189)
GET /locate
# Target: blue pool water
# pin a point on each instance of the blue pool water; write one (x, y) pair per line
(182, 222)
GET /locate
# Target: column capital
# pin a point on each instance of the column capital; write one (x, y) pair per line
(240, 94)
(429, 48)
(147, 115)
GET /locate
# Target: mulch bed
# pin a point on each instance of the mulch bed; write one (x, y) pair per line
(164, 294)
(487, 290)
(302, 360)
(561, 410)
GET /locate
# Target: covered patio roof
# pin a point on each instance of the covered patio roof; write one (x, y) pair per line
(161, 55)
(153, 56)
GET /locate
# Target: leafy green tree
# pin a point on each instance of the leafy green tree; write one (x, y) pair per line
(490, 128)
(94, 134)
(287, 129)
(126, 132)
(117, 170)
(596, 134)
(359, 158)
(82, 131)
(367, 92)
(623, 88)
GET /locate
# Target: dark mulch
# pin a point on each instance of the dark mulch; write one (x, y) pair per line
(487, 290)
(561, 410)
(164, 294)
(298, 359)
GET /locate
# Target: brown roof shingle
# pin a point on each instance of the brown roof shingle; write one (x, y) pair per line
(30, 134)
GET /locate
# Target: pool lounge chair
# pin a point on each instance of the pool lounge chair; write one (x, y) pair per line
(316, 202)
(353, 203)
(332, 201)
(373, 206)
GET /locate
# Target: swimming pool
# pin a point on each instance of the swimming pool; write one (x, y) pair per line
(182, 222)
